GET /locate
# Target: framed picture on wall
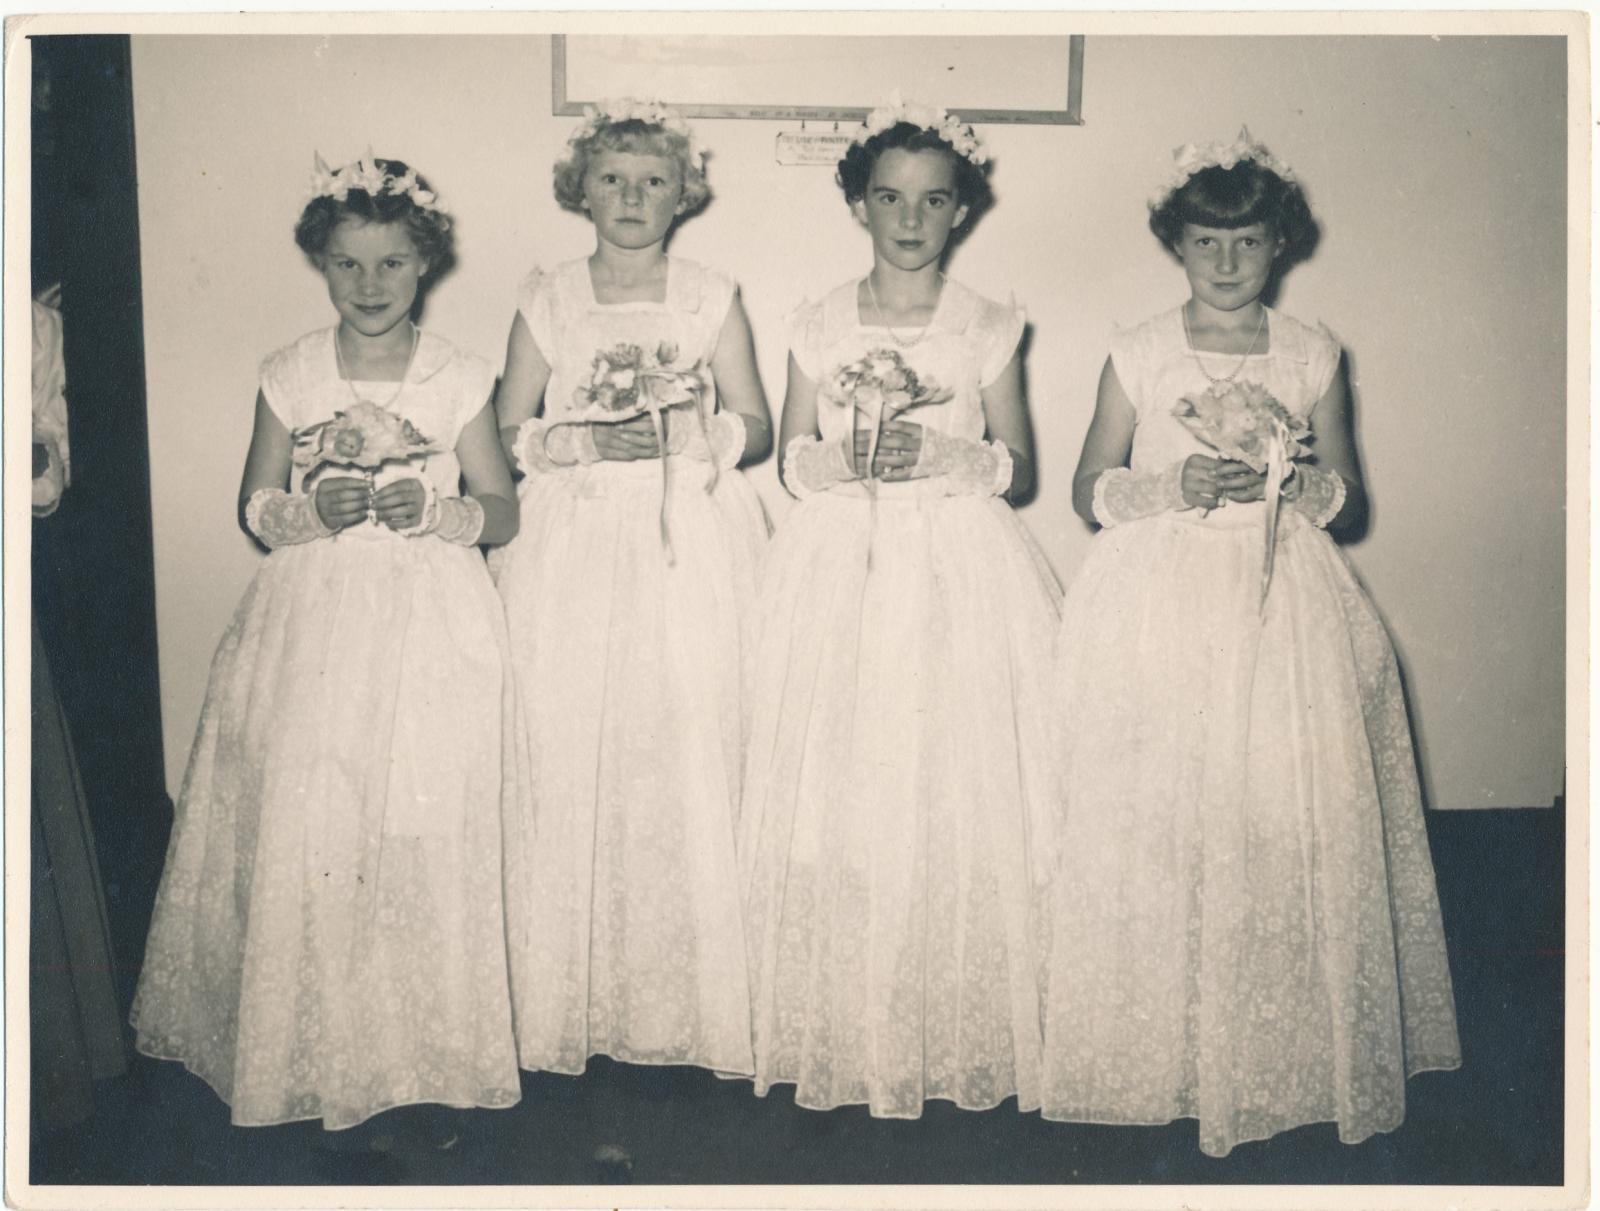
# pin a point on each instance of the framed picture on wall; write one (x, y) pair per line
(984, 79)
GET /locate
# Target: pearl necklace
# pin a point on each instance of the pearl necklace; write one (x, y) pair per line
(883, 320)
(344, 373)
(1195, 353)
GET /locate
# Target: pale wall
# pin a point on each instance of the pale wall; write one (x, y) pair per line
(1436, 167)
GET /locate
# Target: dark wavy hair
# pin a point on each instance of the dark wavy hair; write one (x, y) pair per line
(640, 138)
(855, 169)
(1229, 198)
(432, 231)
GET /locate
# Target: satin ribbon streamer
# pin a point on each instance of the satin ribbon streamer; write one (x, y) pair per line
(1277, 472)
(647, 392)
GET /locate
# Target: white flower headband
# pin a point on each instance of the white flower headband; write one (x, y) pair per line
(365, 174)
(961, 137)
(1196, 157)
(648, 111)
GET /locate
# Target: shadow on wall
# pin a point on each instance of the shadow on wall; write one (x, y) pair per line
(1021, 499)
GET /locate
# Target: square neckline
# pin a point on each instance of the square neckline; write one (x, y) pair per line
(332, 358)
(635, 304)
(938, 311)
(1188, 346)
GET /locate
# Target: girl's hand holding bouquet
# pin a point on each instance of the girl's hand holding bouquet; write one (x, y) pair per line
(1208, 483)
(364, 437)
(400, 505)
(899, 447)
(626, 441)
(879, 388)
(342, 501)
(626, 399)
(1258, 439)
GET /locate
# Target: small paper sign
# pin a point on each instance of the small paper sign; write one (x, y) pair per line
(806, 147)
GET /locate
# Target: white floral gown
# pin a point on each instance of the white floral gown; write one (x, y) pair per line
(329, 938)
(895, 829)
(631, 669)
(1247, 930)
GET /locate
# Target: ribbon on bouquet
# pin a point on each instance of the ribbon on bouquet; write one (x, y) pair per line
(1242, 421)
(626, 381)
(879, 385)
(655, 408)
(871, 481)
(1278, 467)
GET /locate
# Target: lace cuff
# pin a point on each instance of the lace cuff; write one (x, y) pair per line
(281, 520)
(811, 465)
(457, 519)
(1122, 494)
(722, 442)
(543, 445)
(1319, 496)
(979, 468)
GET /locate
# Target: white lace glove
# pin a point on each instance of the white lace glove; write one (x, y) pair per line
(811, 465)
(979, 468)
(724, 432)
(282, 519)
(543, 445)
(1317, 494)
(1122, 494)
(457, 519)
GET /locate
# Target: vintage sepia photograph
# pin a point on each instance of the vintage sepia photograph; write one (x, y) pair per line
(798, 610)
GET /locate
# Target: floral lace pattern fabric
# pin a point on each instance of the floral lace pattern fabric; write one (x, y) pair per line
(329, 937)
(895, 833)
(634, 680)
(1246, 926)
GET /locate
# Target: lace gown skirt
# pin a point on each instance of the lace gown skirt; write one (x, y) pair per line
(329, 938)
(633, 676)
(1247, 930)
(895, 831)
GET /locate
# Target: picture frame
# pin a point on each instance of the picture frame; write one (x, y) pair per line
(998, 79)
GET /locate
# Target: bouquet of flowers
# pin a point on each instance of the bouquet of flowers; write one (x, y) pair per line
(1243, 422)
(363, 436)
(880, 386)
(627, 381)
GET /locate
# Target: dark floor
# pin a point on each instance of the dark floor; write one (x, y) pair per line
(1498, 1120)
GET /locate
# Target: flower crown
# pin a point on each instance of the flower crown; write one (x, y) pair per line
(1196, 157)
(630, 109)
(962, 138)
(366, 175)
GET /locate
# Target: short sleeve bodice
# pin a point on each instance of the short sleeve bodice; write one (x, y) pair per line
(1156, 368)
(571, 326)
(444, 389)
(964, 348)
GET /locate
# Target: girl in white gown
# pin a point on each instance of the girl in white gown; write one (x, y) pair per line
(1246, 928)
(894, 839)
(630, 598)
(329, 939)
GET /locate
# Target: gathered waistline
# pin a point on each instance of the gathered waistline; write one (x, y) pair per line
(1249, 516)
(899, 491)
